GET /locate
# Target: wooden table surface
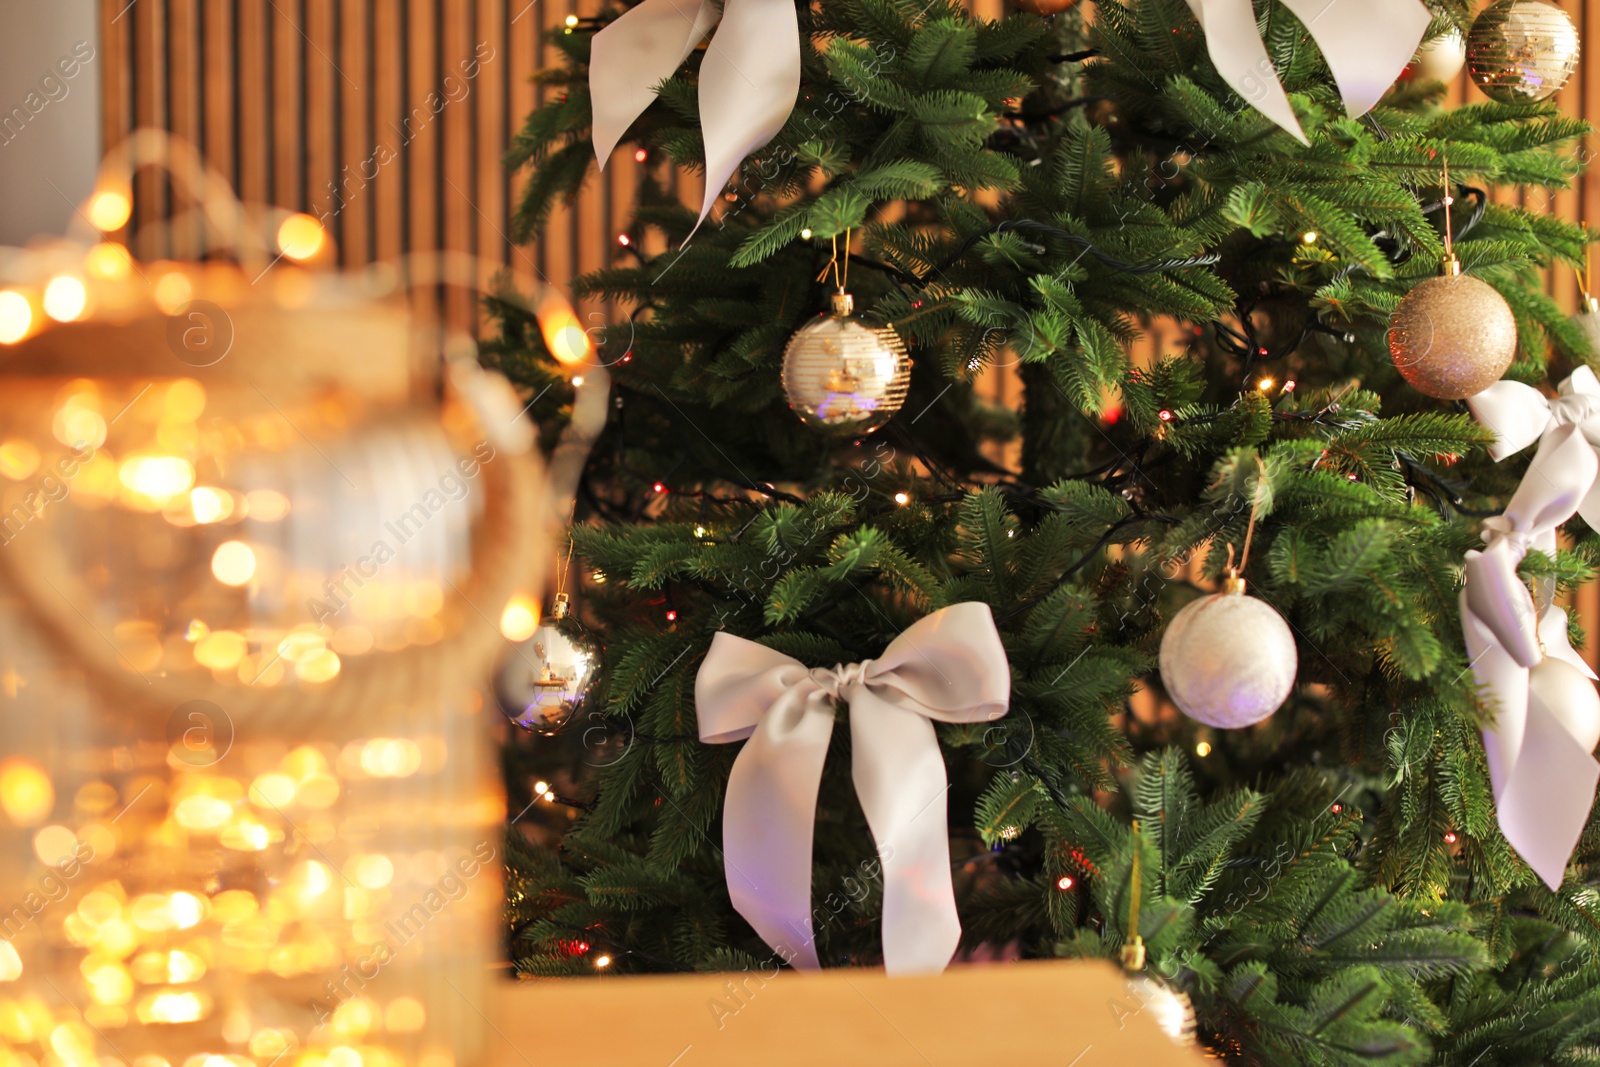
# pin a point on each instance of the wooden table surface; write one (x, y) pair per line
(1061, 1014)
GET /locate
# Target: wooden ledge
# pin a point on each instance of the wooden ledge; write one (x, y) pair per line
(1046, 1012)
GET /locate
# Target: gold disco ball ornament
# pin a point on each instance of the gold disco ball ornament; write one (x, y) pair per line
(844, 376)
(1522, 51)
(1453, 336)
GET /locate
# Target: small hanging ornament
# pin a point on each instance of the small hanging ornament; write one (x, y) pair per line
(1452, 336)
(1171, 1008)
(840, 374)
(1228, 660)
(546, 677)
(1522, 51)
(1588, 317)
(1442, 58)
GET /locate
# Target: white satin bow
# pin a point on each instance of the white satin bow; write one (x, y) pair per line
(948, 667)
(1367, 43)
(749, 77)
(1544, 778)
(1520, 415)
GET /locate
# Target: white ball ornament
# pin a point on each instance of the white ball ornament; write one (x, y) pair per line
(1228, 660)
(1567, 694)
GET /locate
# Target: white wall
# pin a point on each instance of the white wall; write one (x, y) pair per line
(50, 67)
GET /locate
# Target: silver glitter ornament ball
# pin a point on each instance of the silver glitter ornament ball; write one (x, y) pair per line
(1228, 660)
(1522, 51)
(844, 376)
(1453, 336)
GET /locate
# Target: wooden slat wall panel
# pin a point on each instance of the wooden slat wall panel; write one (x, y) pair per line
(251, 101)
(148, 62)
(288, 96)
(353, 135)
(324, 88)
(220, 87)
(183, 110)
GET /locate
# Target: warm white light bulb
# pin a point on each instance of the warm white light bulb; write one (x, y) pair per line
(64, 298)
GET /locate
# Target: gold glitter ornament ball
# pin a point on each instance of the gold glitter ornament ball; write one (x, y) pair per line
(1522, 51)
(1452, 337)
(844, 376)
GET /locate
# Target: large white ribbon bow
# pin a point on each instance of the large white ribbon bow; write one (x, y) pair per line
(1543, 775)
(948, 667)
(1367, 43)
(749, 77)
(1520, 415)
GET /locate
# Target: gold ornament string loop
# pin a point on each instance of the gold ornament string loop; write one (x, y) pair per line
(1449, 198)
(1133, 948)
(841, 277)
(1250, 528)
(844, 282)
(561, 571)
(1585, 273)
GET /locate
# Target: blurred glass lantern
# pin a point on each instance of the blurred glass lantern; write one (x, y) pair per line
(246, 798)
(546, 678)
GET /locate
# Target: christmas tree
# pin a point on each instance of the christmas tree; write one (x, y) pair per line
(1331, 886)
